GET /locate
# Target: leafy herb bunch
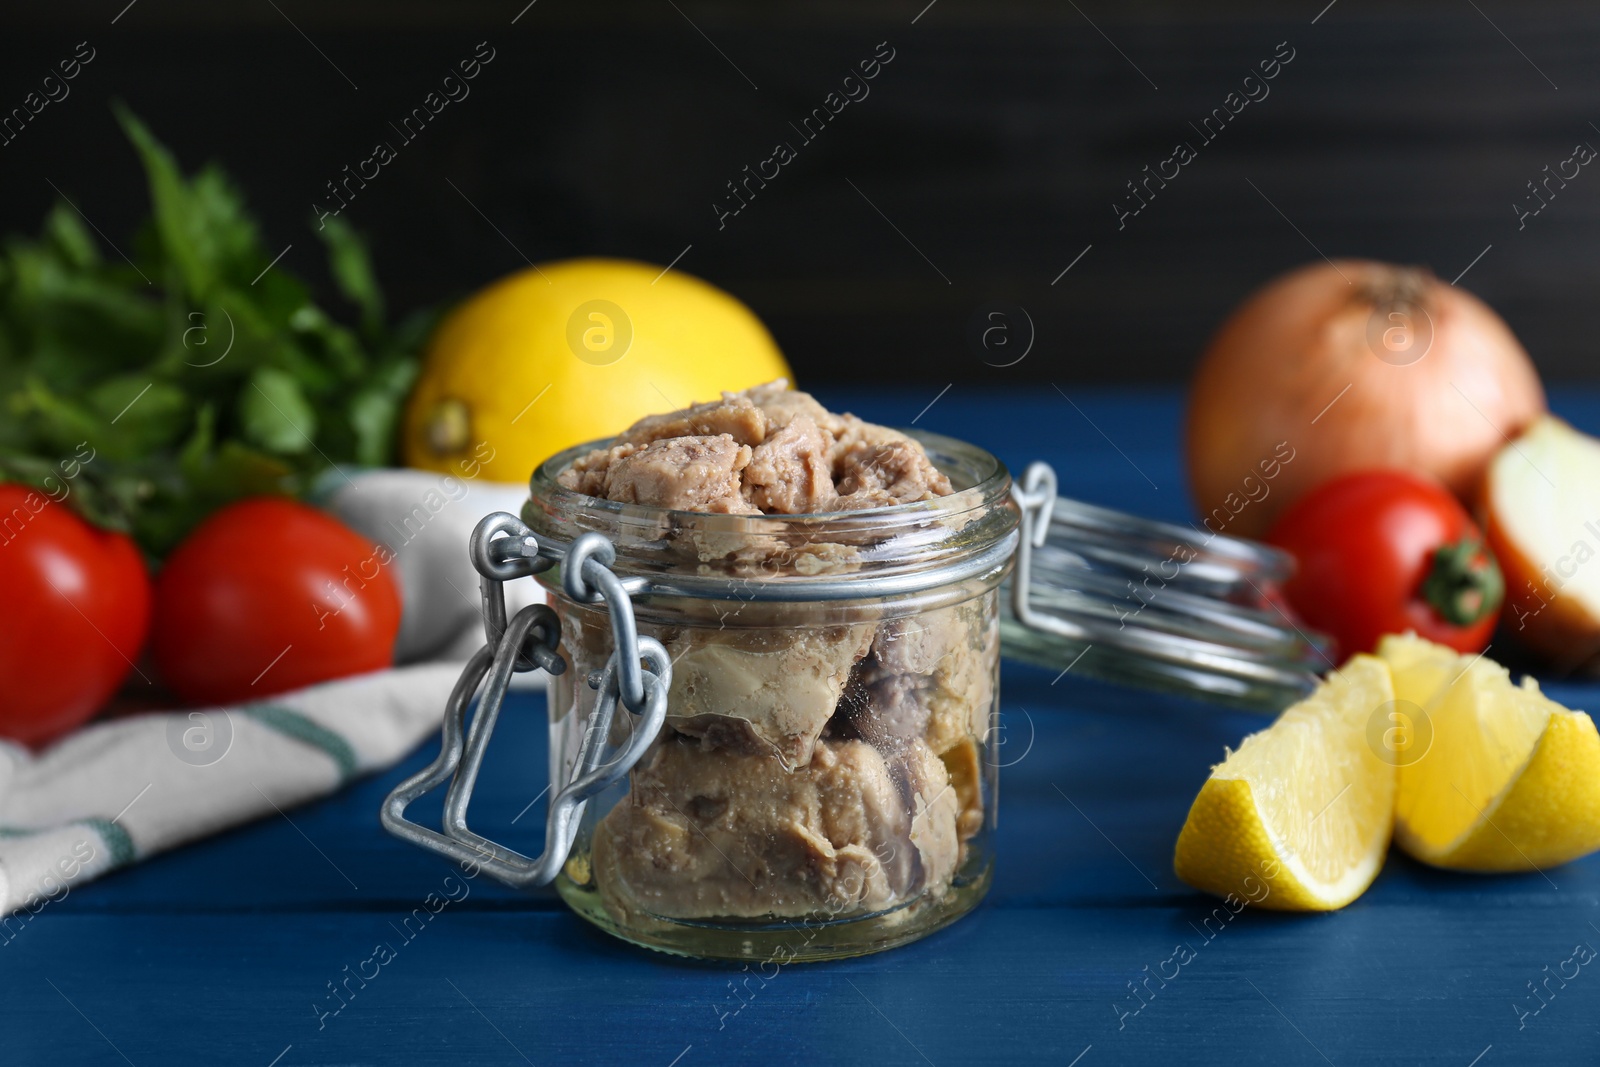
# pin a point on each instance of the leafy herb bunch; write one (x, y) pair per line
(150, 393)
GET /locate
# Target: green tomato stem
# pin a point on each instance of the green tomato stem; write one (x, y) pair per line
(1463, 583)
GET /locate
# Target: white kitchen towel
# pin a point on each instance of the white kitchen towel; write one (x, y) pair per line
(118, 791)
(426, 519)
(123, 789)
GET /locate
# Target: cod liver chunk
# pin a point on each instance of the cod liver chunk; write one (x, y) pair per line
(791, 472)
(879, 470)
(798, 458)
(768, 691)
(709, 834)
(783, 405)
(681, 473)
(733, 415)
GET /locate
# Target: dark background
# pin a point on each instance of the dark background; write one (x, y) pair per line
(996, 142)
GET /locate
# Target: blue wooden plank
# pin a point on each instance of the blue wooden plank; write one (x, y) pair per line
(1419, 983)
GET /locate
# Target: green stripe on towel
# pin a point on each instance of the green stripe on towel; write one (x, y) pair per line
(293, 724)
(118, 843)
(114, 837)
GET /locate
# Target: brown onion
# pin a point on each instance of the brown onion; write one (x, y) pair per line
(1339, 367)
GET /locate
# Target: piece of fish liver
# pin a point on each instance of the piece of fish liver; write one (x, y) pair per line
(708, 834)
(768, 691)
(680, 473)
(783, 404)
(934, 673)
(874, 466)
(734, 415)
(791, 472)
(805, 459)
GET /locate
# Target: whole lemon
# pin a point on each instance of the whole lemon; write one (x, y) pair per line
(566, 352)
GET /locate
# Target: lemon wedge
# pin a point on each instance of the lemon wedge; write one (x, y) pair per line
(1298, 819)
(1495, 776)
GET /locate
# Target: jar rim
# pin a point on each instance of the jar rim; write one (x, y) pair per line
(898, 539)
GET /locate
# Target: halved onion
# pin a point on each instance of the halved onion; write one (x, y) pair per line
(1542, 499)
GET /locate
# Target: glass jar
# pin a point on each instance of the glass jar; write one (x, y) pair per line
(823, 785)
(803, 770)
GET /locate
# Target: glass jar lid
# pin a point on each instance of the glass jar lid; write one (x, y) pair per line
(1154, 604)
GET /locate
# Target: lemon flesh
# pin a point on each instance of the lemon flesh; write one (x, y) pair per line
(1511, 779)
(568, 352)
(1298, 819)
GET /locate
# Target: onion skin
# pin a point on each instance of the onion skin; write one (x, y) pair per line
(1274, 370)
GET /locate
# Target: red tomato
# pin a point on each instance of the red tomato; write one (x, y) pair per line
(269, 595)
(1385, 551)
(77, 608)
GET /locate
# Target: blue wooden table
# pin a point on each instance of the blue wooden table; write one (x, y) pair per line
(227, 952)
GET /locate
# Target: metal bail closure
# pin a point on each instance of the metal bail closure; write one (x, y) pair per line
(503, 549)
(1036, 499)
(1160, 606)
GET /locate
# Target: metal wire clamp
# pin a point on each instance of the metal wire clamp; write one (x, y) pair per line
(1067, 587)
(504, 549)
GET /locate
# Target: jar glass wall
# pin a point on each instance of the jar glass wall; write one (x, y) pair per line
(824, 785)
